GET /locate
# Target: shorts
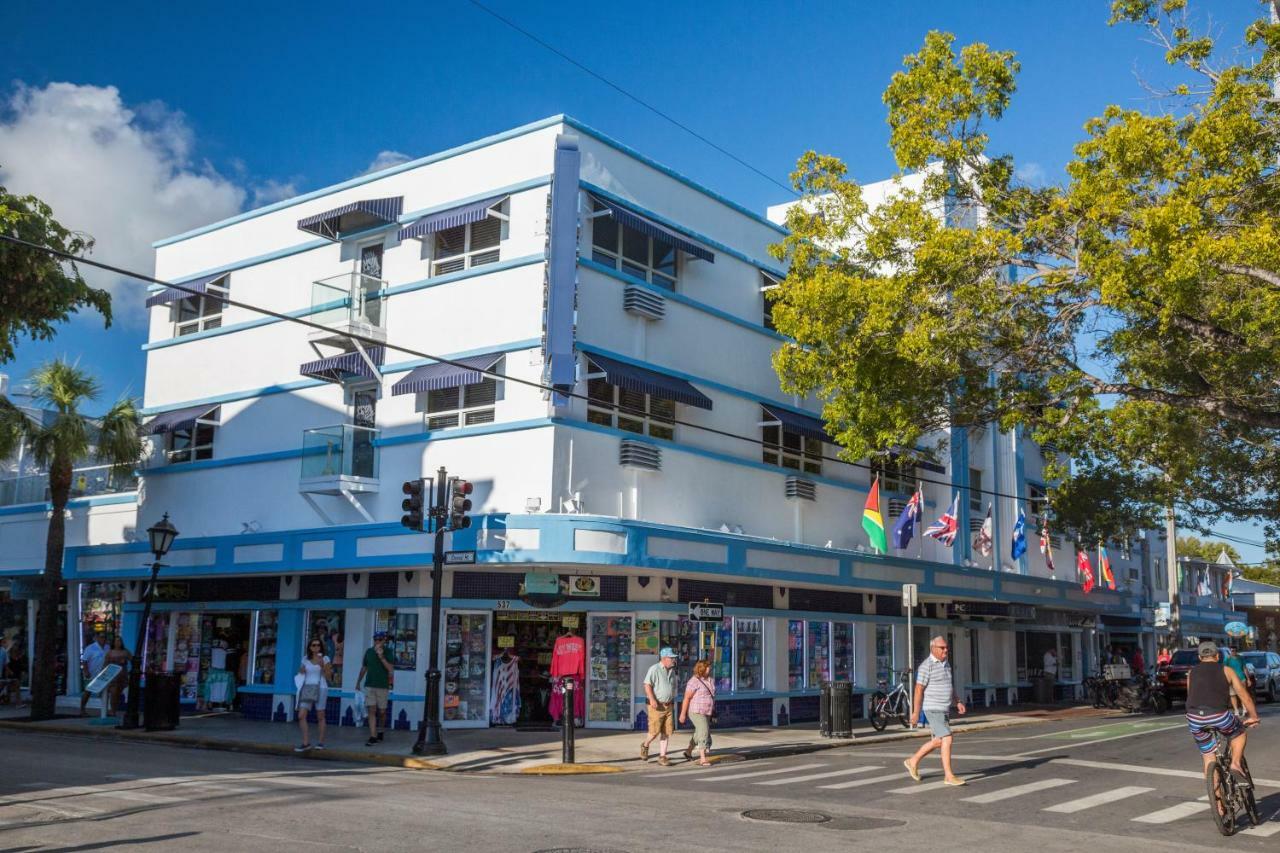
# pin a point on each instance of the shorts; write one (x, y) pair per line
(701, 731)
(937, 720)
(1205, 728)
(376, 697)
(662, 720)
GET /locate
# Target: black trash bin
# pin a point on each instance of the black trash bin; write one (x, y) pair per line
(1042, 690)
(824, 709)
(841, 712)
(160, 705)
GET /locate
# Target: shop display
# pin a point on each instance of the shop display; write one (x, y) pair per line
(884, 653)
(505, 706)
(264, 664)
(327, 626)
(609, 657)
(749, 653)
(156, 648)
(842, 651)
(533, 636)
(466, 653)
(795, 655)
(186, 654)
(402, 637)
(100, 607)
(818, 654)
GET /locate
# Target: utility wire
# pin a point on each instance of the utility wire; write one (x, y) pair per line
(368, 341)
(648, 106)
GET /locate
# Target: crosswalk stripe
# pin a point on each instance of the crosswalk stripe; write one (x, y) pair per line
(756, 773)
(699, 771)
(139, 797)
(1018, 791)
(299, 781)
(857, 783)
(791, 780)
(931, 786)
(1265, 830)
(1181, 810)
(1101, 799)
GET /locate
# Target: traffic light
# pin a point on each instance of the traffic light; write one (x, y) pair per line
(459, 504)
(414, 505)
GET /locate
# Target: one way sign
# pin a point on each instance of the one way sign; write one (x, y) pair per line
(706, 611)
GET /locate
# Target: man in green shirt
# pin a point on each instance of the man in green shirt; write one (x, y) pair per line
(377, 685)
(660, 691)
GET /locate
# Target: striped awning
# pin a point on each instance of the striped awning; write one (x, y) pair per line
(438, 376)
(352, 217)
(451, 218)
(653, 229)
(348, 365)
(642, 380)
(805, 425)
(178, 419)
(172, 294)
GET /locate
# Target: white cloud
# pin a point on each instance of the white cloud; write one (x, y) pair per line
(271, 191)
(385, 160)
(124, 175)
(1031, 173)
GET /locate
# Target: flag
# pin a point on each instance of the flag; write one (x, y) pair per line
(1086, 571)
(982, 542)
(945, 528)
(1019, 546)
(1104, 567)
(1202, 584)
(1046, 547)
(905, 528)
(873, 521)
(1228, 581)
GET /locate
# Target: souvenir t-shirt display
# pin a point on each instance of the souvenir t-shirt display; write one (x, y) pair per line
(505, 708)
(569, 656)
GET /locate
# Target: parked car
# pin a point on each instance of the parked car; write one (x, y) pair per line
(1266, 672)
(1173, 675)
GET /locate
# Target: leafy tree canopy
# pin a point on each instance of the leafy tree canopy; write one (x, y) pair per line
(1130, 314)
(1205, 549)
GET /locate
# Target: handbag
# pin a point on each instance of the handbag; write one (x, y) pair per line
(309, 693)
(714, 716)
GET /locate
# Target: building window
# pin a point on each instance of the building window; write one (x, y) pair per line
(1162, 579)
(790, 449)
(817, 654)
(767, 284)
(975, 657)
(884, 653)
(896, 477)
(194, 443)
(472, 245)
(975, 490)
(200, 313)
(632, 411)
(633, 252)
(466, 405)
(401, 628)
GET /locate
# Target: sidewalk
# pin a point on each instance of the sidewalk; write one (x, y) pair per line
(502, 750)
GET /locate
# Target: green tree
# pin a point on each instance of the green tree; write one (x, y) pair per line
(56, 443)
(38, 290)
(1206, 549)
(1129, 315)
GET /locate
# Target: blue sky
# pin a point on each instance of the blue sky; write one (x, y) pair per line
(258, 99)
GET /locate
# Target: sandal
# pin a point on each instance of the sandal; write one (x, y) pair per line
(664, 761)
(704, 763)
(644, 752)
(688, 754)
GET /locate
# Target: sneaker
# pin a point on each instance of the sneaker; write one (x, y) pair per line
(380, 734)
(319, 746)
(371, 741)
(302, 747)
(688, 754)
(664, 761)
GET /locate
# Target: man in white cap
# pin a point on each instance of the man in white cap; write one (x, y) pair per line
(660, 690)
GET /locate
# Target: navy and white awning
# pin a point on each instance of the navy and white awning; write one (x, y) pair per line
(172, 294)
(653, 229)
(348, 365)
(352, 217)
(178, 419)
(438, 376)
(451, 218)
(642, 380)
(806, 425)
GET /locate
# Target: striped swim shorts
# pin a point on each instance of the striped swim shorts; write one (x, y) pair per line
(1205, 728)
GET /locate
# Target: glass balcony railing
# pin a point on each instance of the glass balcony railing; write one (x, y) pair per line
(344, 450)
(85, 482)
(349, 299)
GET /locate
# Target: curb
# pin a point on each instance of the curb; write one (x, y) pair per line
(568, 769)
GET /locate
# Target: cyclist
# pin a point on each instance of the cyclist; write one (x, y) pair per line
(1209, 714)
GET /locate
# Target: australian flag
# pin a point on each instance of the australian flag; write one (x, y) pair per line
(905, 528)
(1019, 536)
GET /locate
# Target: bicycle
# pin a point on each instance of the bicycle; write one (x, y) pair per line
(895, 703)
(1227, 795)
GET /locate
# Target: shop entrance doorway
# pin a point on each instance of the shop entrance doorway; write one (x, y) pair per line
(522, 645)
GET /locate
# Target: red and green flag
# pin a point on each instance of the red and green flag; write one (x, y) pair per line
(1104, 566)
(873, 520)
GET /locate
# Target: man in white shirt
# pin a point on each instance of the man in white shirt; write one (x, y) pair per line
(91, 661)
(1051, 664)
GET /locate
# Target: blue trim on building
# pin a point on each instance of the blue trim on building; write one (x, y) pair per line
(246, 262)
(74, 503)
(962, 549)
(1020, 486)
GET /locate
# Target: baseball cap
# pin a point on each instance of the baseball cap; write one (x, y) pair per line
(1207, 650)
(380, 635)
(667, 652)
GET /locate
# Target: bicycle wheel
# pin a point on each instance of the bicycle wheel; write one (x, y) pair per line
(1250, 802)
(1220, 804)
(1159, 703)
(879, 712)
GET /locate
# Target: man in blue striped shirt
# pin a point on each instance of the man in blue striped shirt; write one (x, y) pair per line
(935, 693)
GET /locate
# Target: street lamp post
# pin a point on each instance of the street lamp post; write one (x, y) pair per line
(162, 535)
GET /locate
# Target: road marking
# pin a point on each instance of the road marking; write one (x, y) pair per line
(299, 781)
(140, 797)
(1172, 813)
(667, 774)
(1151, 771)
(1102, 799)
(829, 774)
(934, 786)
(1018, 791)
(1061, 746)
(121, 776)
(66, 809)
(1265, 830)
(858, 783)
(756, 773)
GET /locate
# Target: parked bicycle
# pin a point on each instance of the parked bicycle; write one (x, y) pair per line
(1228, 796)
(1102, 693)
(895, 703)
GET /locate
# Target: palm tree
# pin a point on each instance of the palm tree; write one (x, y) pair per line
(56, 442)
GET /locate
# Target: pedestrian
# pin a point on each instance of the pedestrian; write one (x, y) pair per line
(8, 681)
(699, 705)
(117, 654)
(313, 692)
(376, 673)
(1139, 662)
(1051, 663)
(92, 659)
(1164, 656)
(935, 693)
(660, 691)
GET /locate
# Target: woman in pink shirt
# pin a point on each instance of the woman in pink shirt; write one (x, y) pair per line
(699, 704)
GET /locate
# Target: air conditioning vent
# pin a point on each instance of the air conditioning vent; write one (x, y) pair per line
(640, 454)
(975, 524)
(896, 506)
(1048, 449)
(643, 302)
(801, 489)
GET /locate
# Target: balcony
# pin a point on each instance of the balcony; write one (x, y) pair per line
(351, 303)
(85, 483)
(339, 460)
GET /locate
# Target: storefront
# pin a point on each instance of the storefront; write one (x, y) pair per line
(215, 653)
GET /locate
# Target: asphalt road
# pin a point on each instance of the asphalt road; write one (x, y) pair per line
(1086, 785)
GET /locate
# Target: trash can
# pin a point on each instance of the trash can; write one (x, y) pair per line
(1042, 690)
(841, 713)
(824, 709)
(160, 705)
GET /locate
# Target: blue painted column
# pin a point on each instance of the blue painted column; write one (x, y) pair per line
(960, 476)
(1020, 489)
(288, 647)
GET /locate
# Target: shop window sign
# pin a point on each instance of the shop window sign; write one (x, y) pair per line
(402, 636)
(327, 626)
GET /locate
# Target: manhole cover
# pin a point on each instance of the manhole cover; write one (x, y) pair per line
(857, 823)
(785, 816)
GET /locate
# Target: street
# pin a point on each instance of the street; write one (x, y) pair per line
(1087, 784)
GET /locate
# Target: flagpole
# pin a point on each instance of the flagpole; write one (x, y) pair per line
(920, 537)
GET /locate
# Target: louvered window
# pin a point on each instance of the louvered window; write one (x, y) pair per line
(472, 245)
(768, 284)
(644, 414)
(790, 449)
(200, 313)
(466, 405)
(633, 252)
(896, 476)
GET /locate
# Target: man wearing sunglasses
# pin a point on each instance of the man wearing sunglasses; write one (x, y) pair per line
(935, 693)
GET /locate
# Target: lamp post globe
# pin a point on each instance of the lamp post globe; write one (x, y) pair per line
(161, 534)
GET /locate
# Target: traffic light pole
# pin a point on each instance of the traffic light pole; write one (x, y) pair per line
(430, 736)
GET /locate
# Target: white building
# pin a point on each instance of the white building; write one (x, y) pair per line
(669, 470)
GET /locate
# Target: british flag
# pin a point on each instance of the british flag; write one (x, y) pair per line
(946, 527)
